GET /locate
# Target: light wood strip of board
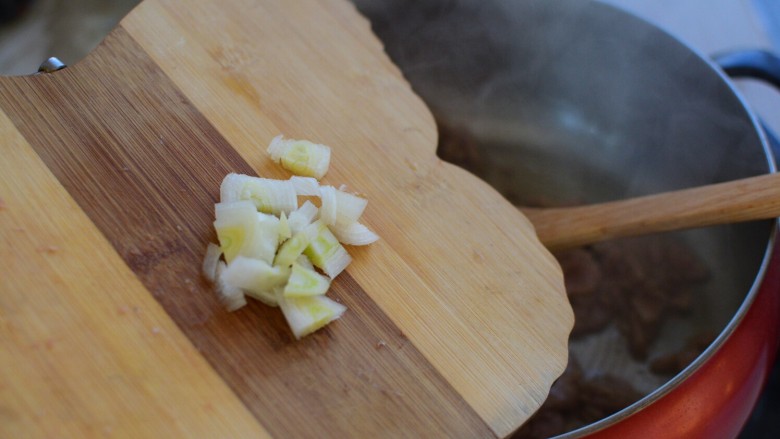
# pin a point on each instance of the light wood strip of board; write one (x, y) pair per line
(85, 350)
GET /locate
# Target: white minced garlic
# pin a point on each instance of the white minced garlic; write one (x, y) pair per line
(301, 157)
(279, 252)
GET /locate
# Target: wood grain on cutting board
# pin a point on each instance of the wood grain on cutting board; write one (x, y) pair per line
(85, 349)
(448, 332)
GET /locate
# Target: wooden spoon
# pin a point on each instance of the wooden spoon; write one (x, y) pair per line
(730, 202)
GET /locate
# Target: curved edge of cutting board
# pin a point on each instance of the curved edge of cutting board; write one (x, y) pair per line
(442, 283)
(316, 71)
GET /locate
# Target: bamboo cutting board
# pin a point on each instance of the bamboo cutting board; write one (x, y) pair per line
(457, 319)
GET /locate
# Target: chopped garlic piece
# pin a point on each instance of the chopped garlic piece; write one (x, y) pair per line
(236, 227)
(294, 247)
(304, 261)
(211, 261)
(231, 296)
(305, 282)
(284, 228)
(354, 234)
(326, 253)
(308, 314)
(302, 217)
(227, 209)
(306, 186)
(301, 157)
(256, 278)
(242, 230)
(328, 205)
(339, 207)
(268, 195)
(266, 238)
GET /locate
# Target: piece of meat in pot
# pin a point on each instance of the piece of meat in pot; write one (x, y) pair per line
(582, 275)
(671, 364)
(576, 400)
(648, 279)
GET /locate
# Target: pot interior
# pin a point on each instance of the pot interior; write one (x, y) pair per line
(569, 102)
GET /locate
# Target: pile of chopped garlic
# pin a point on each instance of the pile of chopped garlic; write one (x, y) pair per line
(279, 252)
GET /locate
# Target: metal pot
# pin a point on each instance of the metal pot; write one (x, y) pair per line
(576, 101)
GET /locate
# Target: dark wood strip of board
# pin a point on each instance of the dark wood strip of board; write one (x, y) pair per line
(145, 166)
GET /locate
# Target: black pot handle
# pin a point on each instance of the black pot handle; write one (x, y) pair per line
(755, 64)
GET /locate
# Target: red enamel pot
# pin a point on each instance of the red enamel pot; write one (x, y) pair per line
(571, 101)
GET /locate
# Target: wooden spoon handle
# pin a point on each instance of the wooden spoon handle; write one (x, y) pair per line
(747, 199)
